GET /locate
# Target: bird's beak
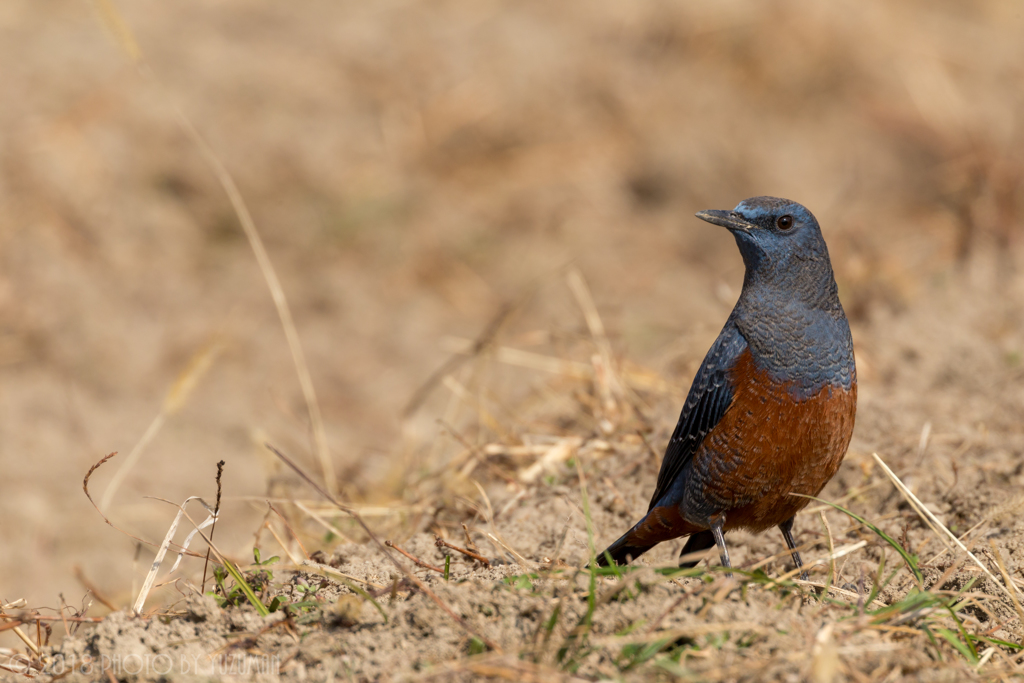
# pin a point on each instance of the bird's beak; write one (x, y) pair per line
(727, 219)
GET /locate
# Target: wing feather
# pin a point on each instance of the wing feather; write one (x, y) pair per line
(710, 396)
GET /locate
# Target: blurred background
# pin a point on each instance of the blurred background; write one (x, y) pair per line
(413, 168)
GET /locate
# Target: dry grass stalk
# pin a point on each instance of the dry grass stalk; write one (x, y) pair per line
(504, 667)
(133, 457)
(668, 610)
(125, 38)
(91, 587)
(45, 617)
(119, 30)
(939, 528)
(832, 578)
(842, 592)
(213, 528)
(417, 561)
(850, 495)
(520, 560)
(514, 500)
(310, 506)
(441, 543)
(954, 566)
(85, 487)
(585, 499)
(524, 451)
(471, 349)
(323, 522)
(161, 552)
(785, 553)
(524, 359)
(983, 659)
(291, 334)
(330, 572)
(821, 561)
(635, 378)
(415, 580)
(495, 537)
(610, 388)
(580, 290)
(176, 397)
(554, 456)
(922, 443)
(700, 555)
(467, 397)
(1009, 583)
(281, 542)
(469, 541)
(825, 664)
(728, 585)
(16, 629)
(687, 631)
(288, 526)
(1010, 509)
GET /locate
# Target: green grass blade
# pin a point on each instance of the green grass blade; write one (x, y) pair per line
(246, 589)
(963, 634)
(911, 560)
(996, 641)
(585, 500)
(931, 637)
(953, 638)
(352, 586)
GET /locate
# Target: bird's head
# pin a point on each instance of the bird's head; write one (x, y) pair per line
(780, 241)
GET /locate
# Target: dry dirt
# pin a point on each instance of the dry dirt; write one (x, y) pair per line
(416, 168)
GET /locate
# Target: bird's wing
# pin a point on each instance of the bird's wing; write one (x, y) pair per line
(709, 397)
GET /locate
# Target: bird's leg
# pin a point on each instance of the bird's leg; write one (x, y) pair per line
(716, 522)
(787, 533)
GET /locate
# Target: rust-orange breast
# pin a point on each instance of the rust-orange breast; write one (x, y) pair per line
(767, 445)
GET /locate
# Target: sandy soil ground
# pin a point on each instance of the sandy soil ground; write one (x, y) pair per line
(416, 169)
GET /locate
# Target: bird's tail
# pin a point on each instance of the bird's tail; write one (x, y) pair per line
(661, 523)
(622, 550)
(702, 540)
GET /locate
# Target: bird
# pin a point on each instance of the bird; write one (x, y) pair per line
(771, 410)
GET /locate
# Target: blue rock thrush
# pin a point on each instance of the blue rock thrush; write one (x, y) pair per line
(771, 409)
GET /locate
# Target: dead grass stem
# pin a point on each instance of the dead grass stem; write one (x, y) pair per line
(124, 37)
(944, 534)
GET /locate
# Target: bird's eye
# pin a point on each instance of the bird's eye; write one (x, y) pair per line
(784, 222)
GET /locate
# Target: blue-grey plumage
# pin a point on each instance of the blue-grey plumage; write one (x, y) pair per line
(772, 407)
